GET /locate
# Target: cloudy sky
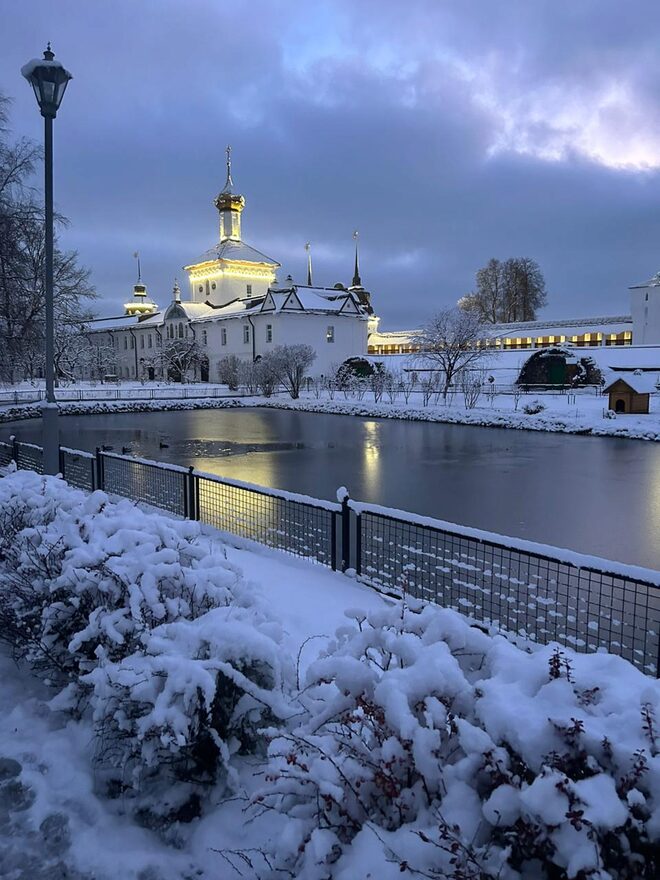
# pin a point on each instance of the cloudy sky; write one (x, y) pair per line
(446, 132)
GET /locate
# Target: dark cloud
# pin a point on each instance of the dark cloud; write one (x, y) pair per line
(447, 133)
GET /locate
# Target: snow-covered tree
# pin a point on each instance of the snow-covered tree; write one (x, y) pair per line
(448, 342)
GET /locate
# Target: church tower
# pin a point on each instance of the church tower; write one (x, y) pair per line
(230, 207)
(232, 269)
(141, 304)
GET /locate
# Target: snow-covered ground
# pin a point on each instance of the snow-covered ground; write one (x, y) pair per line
(582, 413)
(414, 745)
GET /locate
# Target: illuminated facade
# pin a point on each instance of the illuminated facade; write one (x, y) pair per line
(235, 307)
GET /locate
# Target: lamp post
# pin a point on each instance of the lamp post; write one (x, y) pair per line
(49, 80)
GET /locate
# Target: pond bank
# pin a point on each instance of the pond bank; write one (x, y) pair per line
(589, 422)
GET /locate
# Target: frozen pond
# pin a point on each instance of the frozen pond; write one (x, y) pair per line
(596, 495)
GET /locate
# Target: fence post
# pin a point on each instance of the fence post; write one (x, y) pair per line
(190, 505)
(61, 461)
(358, 543)
(14, 449)
(345, 528)
(99, 477)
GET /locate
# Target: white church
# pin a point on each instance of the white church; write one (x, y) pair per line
(236, 307)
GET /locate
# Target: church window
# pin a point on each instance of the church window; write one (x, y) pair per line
(213, 286)
(330, 334)
(269, 332)
(246, 333)
(125, 342)
(150, 342)
(249, 290)
(204, 337)
(141, 341)
(201, 288)
(223, 336)
(132, 341)
(180, 331)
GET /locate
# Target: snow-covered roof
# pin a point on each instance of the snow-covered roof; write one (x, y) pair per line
(642, 383)
(652, 282)
(231, 249)
(121, 322)
(562, 327)
(196, 310)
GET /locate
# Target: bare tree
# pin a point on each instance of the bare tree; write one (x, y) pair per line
(290, 363)
(449, 343)
(22, 259)
(512, 290)
(229, 371)
(179, 357)
(472, 383)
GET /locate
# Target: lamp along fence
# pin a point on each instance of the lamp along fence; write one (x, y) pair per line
(523, 590)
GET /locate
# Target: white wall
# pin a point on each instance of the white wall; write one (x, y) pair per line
(645, 308)
(288, 328)
(229, 287)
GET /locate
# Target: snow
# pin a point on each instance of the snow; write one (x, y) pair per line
(431, 712)
(583, 413)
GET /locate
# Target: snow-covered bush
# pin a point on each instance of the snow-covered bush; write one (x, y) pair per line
(609, 414)
(533, 407)
(136, 616)
(429, 749)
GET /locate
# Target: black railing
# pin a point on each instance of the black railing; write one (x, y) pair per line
(531, 592)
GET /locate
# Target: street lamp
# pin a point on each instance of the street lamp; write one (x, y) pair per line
(49, 80)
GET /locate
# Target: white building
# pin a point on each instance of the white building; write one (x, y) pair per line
(235, 307)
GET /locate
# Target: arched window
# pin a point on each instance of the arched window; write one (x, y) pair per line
(180, 331)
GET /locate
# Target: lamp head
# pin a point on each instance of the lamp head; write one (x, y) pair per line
(49, 80)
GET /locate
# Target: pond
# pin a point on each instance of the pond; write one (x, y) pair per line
(596, 495)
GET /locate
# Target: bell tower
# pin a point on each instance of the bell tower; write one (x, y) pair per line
(230, 207)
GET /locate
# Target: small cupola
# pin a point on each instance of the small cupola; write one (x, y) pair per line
(140, 304)
(230, 207)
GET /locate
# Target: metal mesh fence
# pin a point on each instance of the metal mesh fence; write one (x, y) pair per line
(78, 468)
(278, 521)
(5, 454)
(164, 487)
(29, 457)
(520, 593)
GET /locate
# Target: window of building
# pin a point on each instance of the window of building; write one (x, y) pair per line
(213, 285)
(201, 288)
(269, 332)
(246, 333)
(141, 341)
(150, 342)
(204, 337)
(330, 334)
(125, 341)
(181, 332)
(249, 290)
(159, 340)
(223, 336)
(132, 341)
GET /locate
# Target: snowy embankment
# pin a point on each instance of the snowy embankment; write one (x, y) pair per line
(556, 417)
(167, 719)
(584, 417)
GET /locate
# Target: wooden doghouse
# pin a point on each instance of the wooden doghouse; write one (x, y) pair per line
(632, 393)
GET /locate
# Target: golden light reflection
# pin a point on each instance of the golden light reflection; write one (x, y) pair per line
(371, 454)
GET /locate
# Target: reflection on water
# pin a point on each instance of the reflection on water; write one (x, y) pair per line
(371, 451)
(598, 495)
